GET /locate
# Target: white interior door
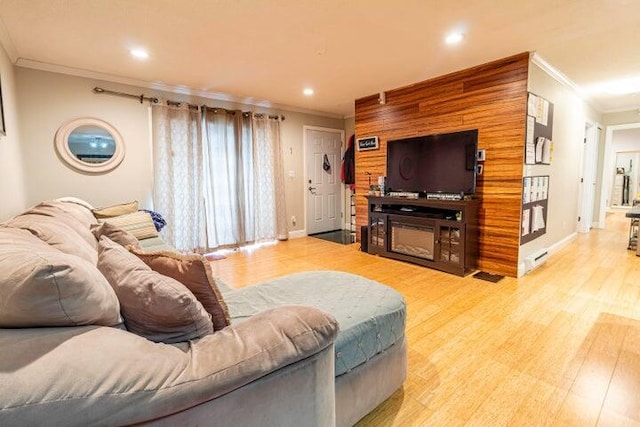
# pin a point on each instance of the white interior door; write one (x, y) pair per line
(323, 162)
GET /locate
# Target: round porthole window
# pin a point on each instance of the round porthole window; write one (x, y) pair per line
(89, 145)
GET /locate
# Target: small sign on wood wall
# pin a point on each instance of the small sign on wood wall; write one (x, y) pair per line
(369, 143)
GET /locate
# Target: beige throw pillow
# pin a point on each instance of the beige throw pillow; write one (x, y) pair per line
(57, 234)
(41, 286)
(73, 216)
(195, 273)
(118, 235)
(116, 210)
(154, 306)
(139, 224)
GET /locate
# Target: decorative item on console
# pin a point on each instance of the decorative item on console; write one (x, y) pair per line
(382, 185)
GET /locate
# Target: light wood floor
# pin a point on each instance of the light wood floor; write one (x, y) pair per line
(560, 346)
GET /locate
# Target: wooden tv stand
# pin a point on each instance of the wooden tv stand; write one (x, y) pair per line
(441, 234)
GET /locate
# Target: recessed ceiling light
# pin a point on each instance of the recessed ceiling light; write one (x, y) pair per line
(307, 91)
(454, 38)
(139, 53)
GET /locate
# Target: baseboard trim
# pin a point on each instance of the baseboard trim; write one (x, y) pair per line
(296, 234)
(562, 243)
(551, 249)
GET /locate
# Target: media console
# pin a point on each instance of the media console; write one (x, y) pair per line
(441, 234)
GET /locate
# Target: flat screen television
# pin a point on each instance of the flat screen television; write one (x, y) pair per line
(443, 163)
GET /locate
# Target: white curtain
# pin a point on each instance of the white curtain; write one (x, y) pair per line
(244, 179)
(177, 161)
(268, 176)
(227, 152)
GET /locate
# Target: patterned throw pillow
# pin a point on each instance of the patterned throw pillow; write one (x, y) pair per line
(158, 221)
(139, 224)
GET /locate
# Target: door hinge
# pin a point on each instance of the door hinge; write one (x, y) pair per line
(579, 218)
(581, 179)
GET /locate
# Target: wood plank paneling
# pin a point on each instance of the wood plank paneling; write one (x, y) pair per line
(491, 98)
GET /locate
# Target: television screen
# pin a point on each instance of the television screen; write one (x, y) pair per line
(444, 163)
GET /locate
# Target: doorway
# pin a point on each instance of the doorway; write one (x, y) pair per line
(588, 178)
(619, 138)
(323, 189)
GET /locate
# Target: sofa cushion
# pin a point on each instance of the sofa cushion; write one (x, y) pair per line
(154, 306)
(56, 233)
(41, 286)
(371, 315)
(116, 210)
(73, 215)
(139, 224)
(194, 272)
(118, 235)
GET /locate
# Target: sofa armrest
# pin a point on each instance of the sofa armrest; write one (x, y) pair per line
(262, 344)
(126, 379)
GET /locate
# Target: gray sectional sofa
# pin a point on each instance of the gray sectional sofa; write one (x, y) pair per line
(309, 349)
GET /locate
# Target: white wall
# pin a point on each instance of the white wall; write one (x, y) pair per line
(12, 189)
(46, 100)
(570, 114)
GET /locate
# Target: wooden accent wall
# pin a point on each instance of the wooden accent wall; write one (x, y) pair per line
(491, 98)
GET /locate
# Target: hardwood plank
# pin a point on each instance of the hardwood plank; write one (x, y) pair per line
(560, 346)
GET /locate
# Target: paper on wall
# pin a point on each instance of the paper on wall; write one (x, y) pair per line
(539, 148)
(544, 120)
(526, 193)
(537, 218)
(546, 151)
(545, 187)
(530, 147)
(532, 105)
(525, 222)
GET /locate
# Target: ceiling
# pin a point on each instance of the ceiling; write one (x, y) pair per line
(265, 52)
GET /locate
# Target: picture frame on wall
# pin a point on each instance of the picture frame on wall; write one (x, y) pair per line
(3, 130)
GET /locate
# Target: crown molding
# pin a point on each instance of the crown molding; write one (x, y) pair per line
(562, 78)
(218, 96)
(555, 73)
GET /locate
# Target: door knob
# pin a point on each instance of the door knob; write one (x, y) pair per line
(311, 189)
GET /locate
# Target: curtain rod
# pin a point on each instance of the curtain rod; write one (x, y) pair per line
(140, 97)
(154, 100)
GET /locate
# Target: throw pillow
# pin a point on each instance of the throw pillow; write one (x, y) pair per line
(41, 286)
(116, 210)
(118, 235)
(154, 306)
(74, 216)
(57, 233)
(139, 224)
(194, 272)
